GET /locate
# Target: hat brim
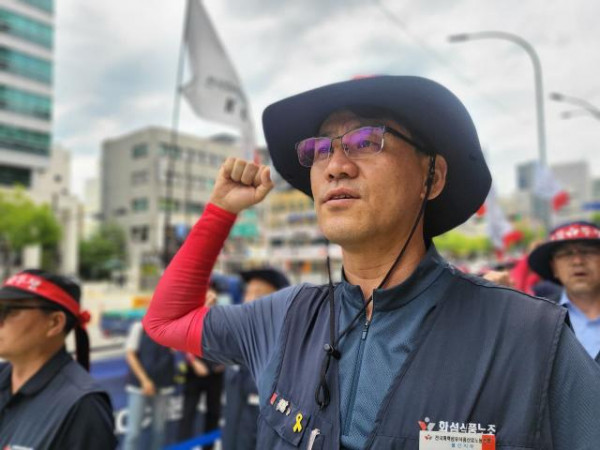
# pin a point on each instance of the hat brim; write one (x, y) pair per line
(12, 293)
(539, 259)
(427, 108)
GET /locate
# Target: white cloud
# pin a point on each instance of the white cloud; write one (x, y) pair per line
(116, 64)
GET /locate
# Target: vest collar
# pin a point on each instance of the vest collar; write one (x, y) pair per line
(428, 270)
(43, 376)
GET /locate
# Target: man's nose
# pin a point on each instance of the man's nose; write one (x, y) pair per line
(338, 164)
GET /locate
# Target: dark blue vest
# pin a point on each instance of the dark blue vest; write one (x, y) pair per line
(484, 355)
(240, 414)
(157, 361)
(35, 420)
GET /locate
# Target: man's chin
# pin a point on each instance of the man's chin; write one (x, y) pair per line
(343, 234)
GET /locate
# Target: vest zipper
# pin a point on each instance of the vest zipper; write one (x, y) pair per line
(356, 376)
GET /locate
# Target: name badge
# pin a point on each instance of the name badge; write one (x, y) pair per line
(448, 440)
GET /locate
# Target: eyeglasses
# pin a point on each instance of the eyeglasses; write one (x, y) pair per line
(7, 310)
(585, 251)
(358, 143)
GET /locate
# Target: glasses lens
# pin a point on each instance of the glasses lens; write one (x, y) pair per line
(312, 150)
(363, 142)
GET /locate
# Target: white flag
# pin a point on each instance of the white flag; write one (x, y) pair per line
(498, 226)
(214, 91)
(546, 186)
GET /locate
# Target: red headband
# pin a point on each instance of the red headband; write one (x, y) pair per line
(44, 288)
(575, 231)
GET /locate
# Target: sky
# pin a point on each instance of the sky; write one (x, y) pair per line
(116, 65)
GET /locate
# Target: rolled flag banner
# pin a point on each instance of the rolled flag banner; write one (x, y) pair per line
(546, 186)
(214, 91)
(499, 229)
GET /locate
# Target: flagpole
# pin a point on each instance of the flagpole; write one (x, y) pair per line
(168, 232)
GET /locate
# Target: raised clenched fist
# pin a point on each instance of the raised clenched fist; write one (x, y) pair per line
(240, 184)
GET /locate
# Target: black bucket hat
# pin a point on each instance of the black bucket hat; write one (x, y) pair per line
(571, 232)
(272, 276)
(428, 109)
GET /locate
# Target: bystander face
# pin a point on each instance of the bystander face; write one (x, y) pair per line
(571, 258)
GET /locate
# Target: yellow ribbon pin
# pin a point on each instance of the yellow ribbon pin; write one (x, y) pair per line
(298, 427)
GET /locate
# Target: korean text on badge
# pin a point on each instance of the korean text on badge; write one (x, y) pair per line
(448, 440)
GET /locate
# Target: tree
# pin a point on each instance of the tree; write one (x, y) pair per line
(23, 223)
(462, 246)
(104, 252)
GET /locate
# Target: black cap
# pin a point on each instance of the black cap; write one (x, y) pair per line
(272, 276)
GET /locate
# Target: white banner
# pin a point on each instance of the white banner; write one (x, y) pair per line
(214, 91)
(498, 225)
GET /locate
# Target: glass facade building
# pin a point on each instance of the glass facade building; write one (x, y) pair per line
(26, 66)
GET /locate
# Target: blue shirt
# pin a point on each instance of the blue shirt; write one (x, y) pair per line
(373, 354)
(587, 330)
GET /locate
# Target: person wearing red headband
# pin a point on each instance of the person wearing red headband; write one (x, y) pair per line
(571, 258)
(47, 400)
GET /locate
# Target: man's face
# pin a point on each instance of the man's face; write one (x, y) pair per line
(22, 331)
(257, 288)
(383, 192)
(577, 266)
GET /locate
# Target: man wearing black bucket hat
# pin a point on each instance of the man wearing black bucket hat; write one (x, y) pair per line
(406, 352)
(571, 258)
(47, 400)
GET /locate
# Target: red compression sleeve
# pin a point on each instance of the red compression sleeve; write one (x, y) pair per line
(174, 318)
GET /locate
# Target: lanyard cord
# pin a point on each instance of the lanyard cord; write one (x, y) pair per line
(322, 394)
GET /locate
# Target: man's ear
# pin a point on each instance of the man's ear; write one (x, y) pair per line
(56, 323)
(439, 177)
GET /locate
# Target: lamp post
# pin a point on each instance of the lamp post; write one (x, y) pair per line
(539, 96)
(586, 107)
(537, 72)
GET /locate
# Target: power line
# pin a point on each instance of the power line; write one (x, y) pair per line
(436, 56)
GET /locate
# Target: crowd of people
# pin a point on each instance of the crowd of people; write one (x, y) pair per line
(405, 350)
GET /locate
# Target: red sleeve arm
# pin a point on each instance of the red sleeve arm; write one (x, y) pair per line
(174, 317)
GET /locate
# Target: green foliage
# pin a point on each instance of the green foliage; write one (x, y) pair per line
(104, 252)
(596, 218)
(462, 246)
(23, 223)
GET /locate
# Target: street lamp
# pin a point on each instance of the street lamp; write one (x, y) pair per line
(587, 107)
(539, 96)
(537, 72)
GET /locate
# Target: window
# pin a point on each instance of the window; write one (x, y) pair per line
(9, 176)
(139, 233)
(201, 157)
(195, 207)
(25, 103)
(22, 139)
(172, 204)
(139, 177)
(215, 160)
(171, 151)
(139, 204)
(27, 66)
(25, 28)
(46, 5)
(139, 151)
